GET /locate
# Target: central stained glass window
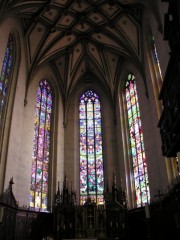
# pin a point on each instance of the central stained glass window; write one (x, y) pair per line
(91, 154)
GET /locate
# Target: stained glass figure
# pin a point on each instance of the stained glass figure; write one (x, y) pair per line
(5, 77)
(91, 154)
(141, 182)
(41, 148)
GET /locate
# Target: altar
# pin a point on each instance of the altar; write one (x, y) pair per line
(90, 221)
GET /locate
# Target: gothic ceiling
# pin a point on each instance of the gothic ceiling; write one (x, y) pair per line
(81, 36)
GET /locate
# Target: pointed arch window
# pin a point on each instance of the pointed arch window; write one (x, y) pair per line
(5, 77)
(41, 147)
(137, 151)
(91, 153)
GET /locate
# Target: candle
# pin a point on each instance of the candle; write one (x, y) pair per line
(147, 210)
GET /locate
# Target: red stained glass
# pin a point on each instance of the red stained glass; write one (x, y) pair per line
(91, 156)
(137, 144)
(41, 148)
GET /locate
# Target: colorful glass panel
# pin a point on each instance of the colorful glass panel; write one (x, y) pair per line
(6, 75)
(156, 58)
(138, 157)
(41, 148)
(91, 155)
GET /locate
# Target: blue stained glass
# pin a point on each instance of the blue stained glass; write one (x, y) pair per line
(5, 77)
(41, 147)
(156, 58)
(137, 144)
(91, 157)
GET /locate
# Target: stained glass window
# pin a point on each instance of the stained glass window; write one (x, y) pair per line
(156, 58)
(91, 155)
(5, 77)
(137, 151)
(41, 147)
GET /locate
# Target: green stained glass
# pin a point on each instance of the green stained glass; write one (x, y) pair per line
(91, 156)
(41, 147)
(141, 183)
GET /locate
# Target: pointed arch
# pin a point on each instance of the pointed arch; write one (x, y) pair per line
(136, 144)
(41, 147)
(91, 151)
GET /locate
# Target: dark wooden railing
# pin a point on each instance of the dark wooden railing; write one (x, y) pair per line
(21, 223)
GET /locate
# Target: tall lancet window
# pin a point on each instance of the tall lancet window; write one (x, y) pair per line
(91, 154)
(5, 77)
(156, 58)
(137, 152)
(41, 148)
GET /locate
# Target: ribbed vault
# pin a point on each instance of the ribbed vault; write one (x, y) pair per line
(81, 36)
